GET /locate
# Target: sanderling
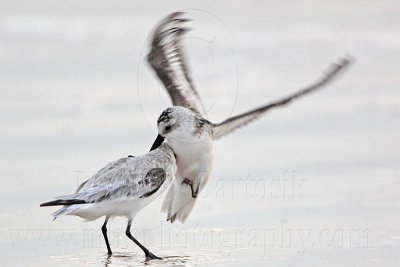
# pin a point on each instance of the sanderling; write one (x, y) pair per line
(185, 128)
(121, 188)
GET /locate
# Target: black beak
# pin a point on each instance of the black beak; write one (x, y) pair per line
(159, 140)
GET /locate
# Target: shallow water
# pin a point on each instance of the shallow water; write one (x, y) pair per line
(314, 184)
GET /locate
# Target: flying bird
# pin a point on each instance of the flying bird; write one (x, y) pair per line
(121, 188)
(185, 126)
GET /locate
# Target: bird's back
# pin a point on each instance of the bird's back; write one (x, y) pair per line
(133, 182)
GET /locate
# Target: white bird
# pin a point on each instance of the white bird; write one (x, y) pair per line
(121, 188)
(192, 137)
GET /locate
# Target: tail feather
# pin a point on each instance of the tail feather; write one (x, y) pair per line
(185, 211)
(70, 206)
(64, 210)
(63, 202)
(167, 203)
(178, 205)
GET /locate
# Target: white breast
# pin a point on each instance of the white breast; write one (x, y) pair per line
(194, 159)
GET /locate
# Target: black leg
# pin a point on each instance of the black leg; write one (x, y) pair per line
(104, 230)
(190, 183)
(149, 255)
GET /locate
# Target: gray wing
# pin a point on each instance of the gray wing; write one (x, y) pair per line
(154, 179)
(118, 180)
(103, 173)
(139, 188)
(233, 123)
(167, 60)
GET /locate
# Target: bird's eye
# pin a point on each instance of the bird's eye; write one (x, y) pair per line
(167, 128)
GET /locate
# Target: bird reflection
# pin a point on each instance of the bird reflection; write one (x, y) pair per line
(126, 259)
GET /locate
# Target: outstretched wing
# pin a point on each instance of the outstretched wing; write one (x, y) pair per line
(167, 60)
(233, 123)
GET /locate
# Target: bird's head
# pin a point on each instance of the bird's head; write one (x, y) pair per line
(177, 123)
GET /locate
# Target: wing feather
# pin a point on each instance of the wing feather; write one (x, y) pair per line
(168, 61)
(119, 180)
(233, 123)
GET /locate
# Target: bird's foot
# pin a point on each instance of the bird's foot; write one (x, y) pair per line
(187, 181)
(190, 183)
(151, 256)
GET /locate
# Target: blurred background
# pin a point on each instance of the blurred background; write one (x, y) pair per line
(313, 184)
